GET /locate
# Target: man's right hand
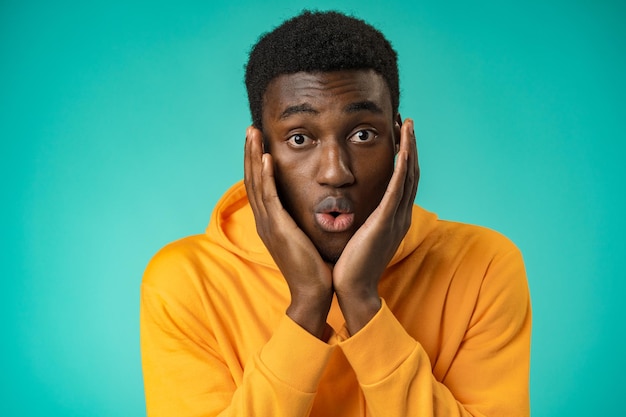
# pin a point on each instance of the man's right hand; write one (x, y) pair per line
(309, 278)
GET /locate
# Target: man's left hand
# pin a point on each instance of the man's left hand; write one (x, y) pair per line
(364, 259)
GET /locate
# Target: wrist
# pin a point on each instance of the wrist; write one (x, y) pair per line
(311, 313)
(358, 311)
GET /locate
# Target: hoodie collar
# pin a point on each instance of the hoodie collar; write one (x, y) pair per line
(232, 227)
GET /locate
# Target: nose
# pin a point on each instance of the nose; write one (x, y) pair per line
(334, 166)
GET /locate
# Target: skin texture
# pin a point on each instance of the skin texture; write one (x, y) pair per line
(330, 139)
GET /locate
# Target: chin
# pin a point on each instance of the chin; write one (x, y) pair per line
(330, 255)
(332, 259)
(330, 246)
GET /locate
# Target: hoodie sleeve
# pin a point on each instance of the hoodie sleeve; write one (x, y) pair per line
(185, 374)
(489, 374)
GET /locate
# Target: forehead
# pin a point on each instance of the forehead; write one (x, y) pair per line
(325, 90)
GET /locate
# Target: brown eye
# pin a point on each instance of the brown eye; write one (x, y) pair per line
(362, 136)
(298, 140)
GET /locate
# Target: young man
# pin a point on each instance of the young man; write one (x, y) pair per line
(349, 300)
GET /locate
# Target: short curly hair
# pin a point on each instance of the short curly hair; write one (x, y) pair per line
(319, 41)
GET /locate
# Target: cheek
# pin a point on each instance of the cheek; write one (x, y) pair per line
(374, 175)
(291, 183)
(376, 170)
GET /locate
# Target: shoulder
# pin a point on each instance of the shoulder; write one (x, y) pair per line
(473, 259)
(198, 265)
(492, 258)
(469, 239)
(178, 261)
(483, 265)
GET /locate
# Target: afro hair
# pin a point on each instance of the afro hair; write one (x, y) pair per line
(318, 41)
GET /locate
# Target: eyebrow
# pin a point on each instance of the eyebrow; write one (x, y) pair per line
(363, 105)
(298, 108)
(358, 106)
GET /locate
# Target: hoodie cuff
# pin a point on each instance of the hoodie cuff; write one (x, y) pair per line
(295, 356)
(379, 348)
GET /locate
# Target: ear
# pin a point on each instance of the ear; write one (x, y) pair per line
(396, 132)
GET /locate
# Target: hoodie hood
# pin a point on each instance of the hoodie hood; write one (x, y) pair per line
(232, 227)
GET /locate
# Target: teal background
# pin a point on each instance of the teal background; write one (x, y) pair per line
(121, 124)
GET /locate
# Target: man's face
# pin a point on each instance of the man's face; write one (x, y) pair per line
(333, 138)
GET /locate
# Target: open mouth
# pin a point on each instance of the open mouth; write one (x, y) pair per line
(334, 221)
(334, 214)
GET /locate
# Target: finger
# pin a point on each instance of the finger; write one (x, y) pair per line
(415, 168)
(247, 175)
(401, 189)
(252, 171)
(395, 189)
(246, 171)
(408, 143)
(271, 201)
(247, 167)
(403, 183)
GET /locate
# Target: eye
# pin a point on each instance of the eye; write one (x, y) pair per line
(362, 136)
(298, 140)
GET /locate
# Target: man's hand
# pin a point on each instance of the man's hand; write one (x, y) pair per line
(307, 275)
(356, 274)
(364, 259)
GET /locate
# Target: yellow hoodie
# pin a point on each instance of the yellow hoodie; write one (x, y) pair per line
(451, 339)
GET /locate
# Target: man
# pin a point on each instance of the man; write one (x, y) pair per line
(349, 300)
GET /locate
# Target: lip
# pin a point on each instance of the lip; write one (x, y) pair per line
(334, 214)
